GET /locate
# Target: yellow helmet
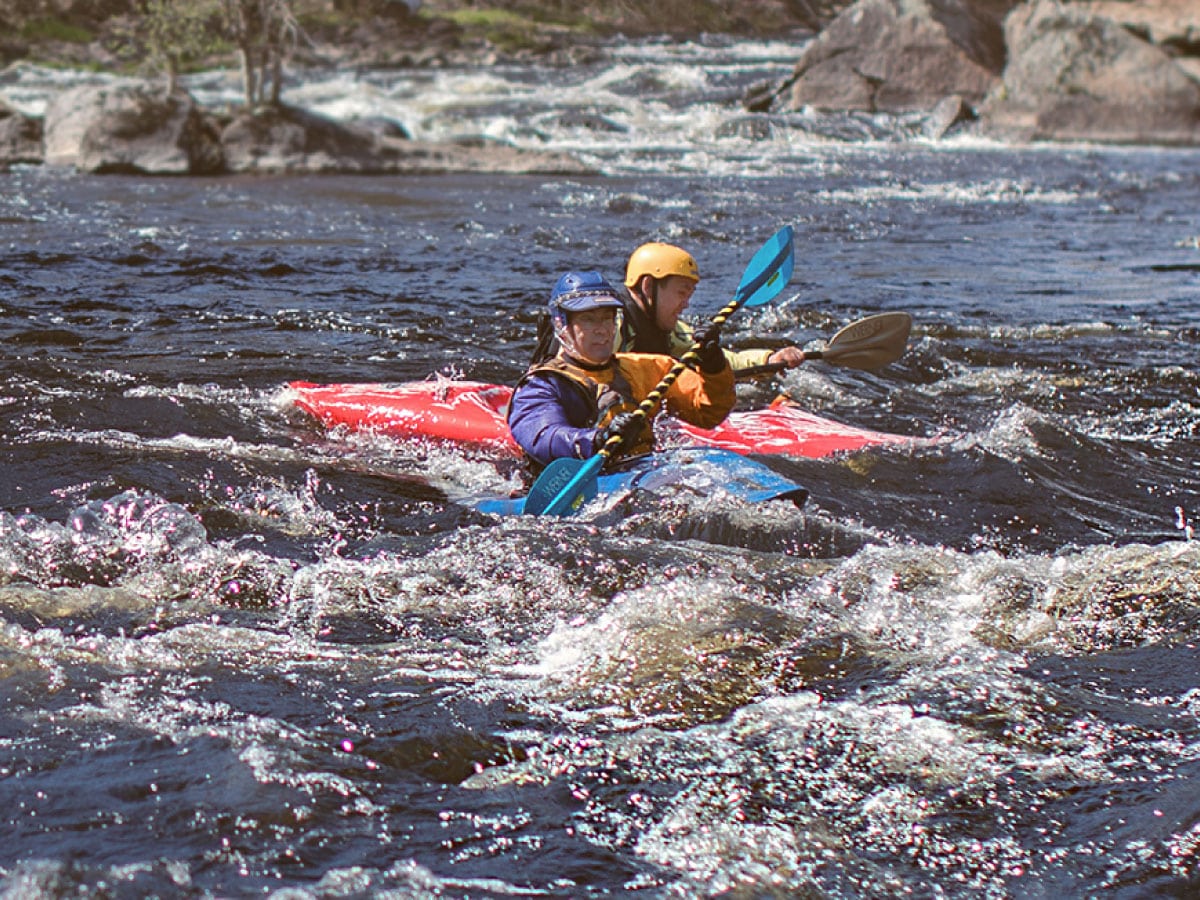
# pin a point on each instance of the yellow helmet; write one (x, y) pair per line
(660, 260)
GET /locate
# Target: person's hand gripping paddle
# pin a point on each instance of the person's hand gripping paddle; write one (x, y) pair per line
(566, 484)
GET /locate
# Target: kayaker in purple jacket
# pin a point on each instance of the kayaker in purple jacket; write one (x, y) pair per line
(571, 404)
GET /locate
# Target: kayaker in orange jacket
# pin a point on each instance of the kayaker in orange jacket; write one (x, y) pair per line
(661, 279)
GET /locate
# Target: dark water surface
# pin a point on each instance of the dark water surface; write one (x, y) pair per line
(242, 656)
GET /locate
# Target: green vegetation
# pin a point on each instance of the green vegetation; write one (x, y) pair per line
(511, 30)
(521, 16)
(176, 34)
(38, 30)
(315, 17)
(635, 17)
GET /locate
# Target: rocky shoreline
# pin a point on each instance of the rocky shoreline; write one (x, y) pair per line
(135, 127)
(1103, 71)
(1106, 71)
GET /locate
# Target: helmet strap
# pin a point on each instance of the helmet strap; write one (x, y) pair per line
(648, 300)
(653, 298)
(565, 341)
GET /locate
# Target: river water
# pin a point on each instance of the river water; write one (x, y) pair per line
(243, 656)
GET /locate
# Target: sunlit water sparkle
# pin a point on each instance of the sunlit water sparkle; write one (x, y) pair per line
(242, 655)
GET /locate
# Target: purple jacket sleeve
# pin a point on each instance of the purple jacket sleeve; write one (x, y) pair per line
(550, 419)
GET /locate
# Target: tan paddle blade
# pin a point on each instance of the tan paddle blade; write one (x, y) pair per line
(868, 343)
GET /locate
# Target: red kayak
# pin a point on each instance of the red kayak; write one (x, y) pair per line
(471, 412)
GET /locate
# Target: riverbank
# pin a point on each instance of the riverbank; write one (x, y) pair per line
(1001, 70)
(94, 34)
(131, 125)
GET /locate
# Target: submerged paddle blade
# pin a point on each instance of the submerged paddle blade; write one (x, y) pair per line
(869, 343)
(769, 270)
(564, 486)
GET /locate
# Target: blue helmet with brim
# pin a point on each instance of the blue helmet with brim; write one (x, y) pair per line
(581, 291)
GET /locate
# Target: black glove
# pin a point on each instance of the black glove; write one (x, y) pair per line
(628, 425)
(712, 358)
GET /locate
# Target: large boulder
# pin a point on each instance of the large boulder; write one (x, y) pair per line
(279, 138)
(1167, 23)
(20, 138)
(1173, 25)
(481, 155)
(899, 56)
(131, 127)
(1076, 76)
(276, 139)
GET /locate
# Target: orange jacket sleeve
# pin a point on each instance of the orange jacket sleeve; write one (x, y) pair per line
(702, 400)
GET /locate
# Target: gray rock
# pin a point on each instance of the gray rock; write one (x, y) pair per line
(750, 128)
(900, 56)
(384, 127)
(479, 156)
(20, 138)
(286, 139)
(1076, 76)
(1167, 23)
(591, 121)
(130, 127)
(949, 112)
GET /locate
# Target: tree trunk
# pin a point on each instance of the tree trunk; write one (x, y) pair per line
(276, 75)
(249, 85)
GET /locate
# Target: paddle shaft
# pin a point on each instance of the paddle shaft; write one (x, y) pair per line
(772, 368)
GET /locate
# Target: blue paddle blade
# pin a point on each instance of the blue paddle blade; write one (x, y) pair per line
(564, 486)
(769, 269)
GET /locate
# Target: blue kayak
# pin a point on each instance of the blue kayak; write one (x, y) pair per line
(705, 469)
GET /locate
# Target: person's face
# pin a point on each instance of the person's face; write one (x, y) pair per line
(592, 332)
(674, 292)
